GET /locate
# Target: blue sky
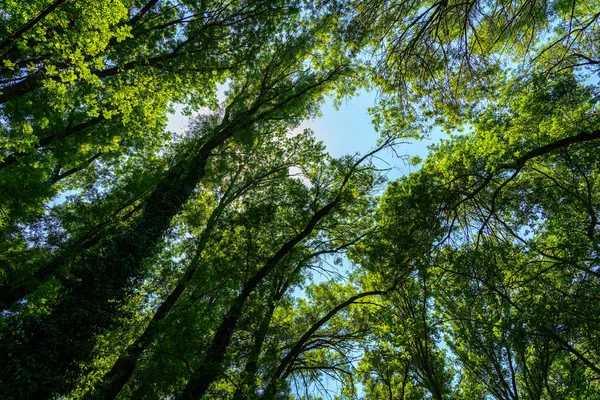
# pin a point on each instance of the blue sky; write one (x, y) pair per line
(349, 130)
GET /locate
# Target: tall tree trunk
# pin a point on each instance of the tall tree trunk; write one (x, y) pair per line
(248, 384)
(50, 350)
(114, 380)
(118, 376)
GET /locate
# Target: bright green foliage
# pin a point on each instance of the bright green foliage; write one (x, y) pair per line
(439, 61)
(93, 80)
(508, 294)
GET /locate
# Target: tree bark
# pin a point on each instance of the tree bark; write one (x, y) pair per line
(88, 307)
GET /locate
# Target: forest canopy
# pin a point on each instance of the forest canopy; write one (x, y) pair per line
(137, 262)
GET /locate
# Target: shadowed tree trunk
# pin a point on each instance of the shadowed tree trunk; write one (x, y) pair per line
(88, 307)
(118, 376)
(251, 368)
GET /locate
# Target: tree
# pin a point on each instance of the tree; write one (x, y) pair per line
(344, 191)
(88, 83)
(103, 275)
(265, 163)
(436, 61)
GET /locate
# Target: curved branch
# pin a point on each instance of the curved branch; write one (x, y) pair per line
(19, 32)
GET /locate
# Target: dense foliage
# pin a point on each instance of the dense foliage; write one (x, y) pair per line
(141, 263)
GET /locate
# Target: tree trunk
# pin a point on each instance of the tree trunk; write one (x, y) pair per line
(118, 376)
(89, 308)
(248, 383)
